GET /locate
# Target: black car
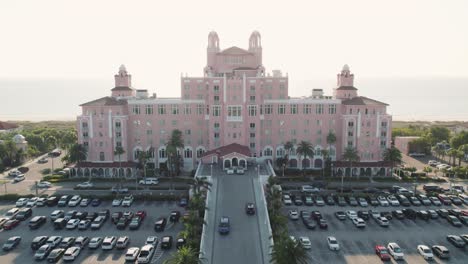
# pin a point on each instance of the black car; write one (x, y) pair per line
(322, 223)
(373, 201)
(175, 216)
(183, 202)
(455, 212)
(455, 200)
(441, 252)
(454, 221)
(166, 242)
(91, 216)
(250, 208)
(122, 223)
(298, 200)
(52, 200)
(81, 215)
(409, 213)
(316, 215)
(341, 201)
(403, 200)
(180, 242)
(37, 222)
(463, 219)
(67, 242)
(38, 242)
(424, 215)
(60, 223)
(309, 223)
(95, 202)
(105, 213)
(23, 214)
(116, 217)
(456, 241)
(55, 255)
(387, 215)
(11, 243)
(442, 213)
(398, 214)
(160, 224)
(363, 214)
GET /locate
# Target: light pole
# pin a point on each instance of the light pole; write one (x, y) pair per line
(211, 169)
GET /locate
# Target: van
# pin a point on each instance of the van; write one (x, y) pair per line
(431, 188)
(37, 221)
(23, 214)
(64, 200)
(60, 223)
(12, 213)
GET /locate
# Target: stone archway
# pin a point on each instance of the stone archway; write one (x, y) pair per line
(87, 172)
(121, 172)
(368, 172)
(242, 163)
(107, 172)
(80, 172)
(100, 172)
(348, 172)
(305, 163)
(129, 172)
(235, 162)
(227, 163)
(318, 163)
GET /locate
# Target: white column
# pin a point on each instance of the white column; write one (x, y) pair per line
(224, 88)
(244, 86)
(91, 133)
(377, 130)
(110, 123)
(359, 125)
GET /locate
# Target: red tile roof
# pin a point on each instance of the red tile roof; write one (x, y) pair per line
(346, 88)
(7, 126)
(105, 101)
(361, 100)
(228, 149)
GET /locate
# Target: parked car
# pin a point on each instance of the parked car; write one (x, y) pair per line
(351, 214)
(10, 224)
(95, 242)
(293, 214)
(319, 201)
(455, 200)
(21, 202)
(127, 201)
(41, 202)
(383, 201)
(426, 252)
(149, 181)
(333, 244)
(55, 255)
(160, 224)
(442, 213)
(117, 202)
(67, 242)
(393, 201)
(435, 201)
(297, 200)
(132, 254)
(358, 222)
(96, 202)
(180, 242)
(424, 215)
(329, 200)
(166, 242)
(85, 202)
(444, 199)
(54, 241)
(309, 189)
(97, 222)
(60, 223)
(382, 252)
(146, 254)
(287, 199)
(456, 241)
(352, 201)
(37, 222)
(382, 221)
(340, 215)
(81, 241)
(11, 214)
(109, 242)
(71, 253)
(85, 185)
(409, 213)
(433, 214)
(52, 200)
(63, 200)
(122, 242)
(424, 199)
(414, 201)
(395, 251)
(341, 201)
(84, 224)
(19, 178)
(441, 251)
(42, 160)
(152, 240)
(38, 241)
(23, 214)
(14, 173)
(11, 243)
(362, 202)
(135, 223)
(43, 251)
(309, 223)
(57, 214)
(363, 214)
(308, 200)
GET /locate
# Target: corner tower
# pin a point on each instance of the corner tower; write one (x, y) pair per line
(345, 84)
(255, 46)
(211, 51)
(123, 84)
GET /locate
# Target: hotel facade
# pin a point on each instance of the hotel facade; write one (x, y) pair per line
(235, 112)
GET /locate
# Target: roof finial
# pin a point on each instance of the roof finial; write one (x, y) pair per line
(122, 68)
(345, 68)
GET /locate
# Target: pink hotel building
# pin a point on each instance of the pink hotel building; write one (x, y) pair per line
(235, 112)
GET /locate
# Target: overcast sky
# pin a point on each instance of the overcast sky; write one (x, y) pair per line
(157, 40)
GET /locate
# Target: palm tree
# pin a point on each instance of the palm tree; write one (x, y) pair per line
(199, 183)
(143, 161)
(288, 146)
(305, 150)
(392, 155)
(326, 156)
(464, 149)
(331, 139)
(175, 142)
(77, 154)
(118, 152)
(351, 155)
(185, 255)
(452, 153)
(288, 251)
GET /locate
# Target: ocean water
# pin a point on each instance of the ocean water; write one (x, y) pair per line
(410, 99)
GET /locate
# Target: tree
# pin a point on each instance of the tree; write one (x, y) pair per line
(305, 150)
(282, 162)
(331, 139)
(199, 183)
(288, 251)
(464, 149)
(174, 160)
(452, 153)
(288, 146)
(185, 255)
(77, 154)
(119, 151)
(439, 134)
(143, 161)
(326, 157)
(392, 155)
(351, 155)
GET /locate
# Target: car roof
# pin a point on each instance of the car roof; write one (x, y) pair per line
(224, 219)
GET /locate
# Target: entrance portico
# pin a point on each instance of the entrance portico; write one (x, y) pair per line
(232, 155)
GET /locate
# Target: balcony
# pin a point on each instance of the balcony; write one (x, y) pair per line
(234, 119)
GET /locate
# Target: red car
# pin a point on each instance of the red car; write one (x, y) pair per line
(141, 214)
(382, 252)
(464, 212)
(10, 224)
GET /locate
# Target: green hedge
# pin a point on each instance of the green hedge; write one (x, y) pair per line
(13, 196)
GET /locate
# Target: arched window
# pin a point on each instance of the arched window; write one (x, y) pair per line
(136, 154)
(162, 153)
(150, 153)
(318, 151)
(268, 152)
(187, 153)
(200, 152)
(280, 152)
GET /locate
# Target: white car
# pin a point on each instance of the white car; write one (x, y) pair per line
(382, 221)
(230, 171)
(14, 173)
(374, 214)
(351, 214)
(395, 251)
(44, 184)
(109, 243)
(54, 241)
(149, 181)
(72, 224)
(382, 201)
(333, 243)
(358, 222)
(19, 178)
(132, 254)
(116, 202)
(293, 215)
(74, 201)
(71, 253)
(95, 242)
(362, 202)
(85, 185)
(305, 242)
(84, 224)
(146, 254)
(240, 171)
(393, 200)
(42, 252)
(287, 200)
(309, 189)
(426, 252)
(21, 202)
(152, 240)
(127, 201)
(32, 202)
(122, 242)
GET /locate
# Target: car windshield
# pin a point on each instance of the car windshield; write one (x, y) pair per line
(426, 250)
(333, 242)
(397, 250)
(383, 251)
(144, 253)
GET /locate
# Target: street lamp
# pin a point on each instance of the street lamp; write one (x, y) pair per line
(211, 169)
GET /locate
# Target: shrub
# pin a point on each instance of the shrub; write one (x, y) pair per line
(45, 171)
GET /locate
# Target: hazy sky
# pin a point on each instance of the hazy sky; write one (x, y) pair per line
(157, 40)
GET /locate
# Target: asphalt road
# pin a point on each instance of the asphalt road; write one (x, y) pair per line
(242, 244)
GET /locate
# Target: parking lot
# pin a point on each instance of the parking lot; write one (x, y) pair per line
(24, 254)
(357, 244)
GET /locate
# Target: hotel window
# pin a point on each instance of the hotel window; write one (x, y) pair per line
(149, 109)
(175, 109)
(279, 152)
(384, 124)
(319, 132)
(118, 144)
(350, 133)
(293, 132)
(252, 98)
(252, 145)
(216, 135)
(149, 132)
(307, 109)
(350, 123)
(281, 109)
(100, 124)
(101, 144)
(174, 122)
(199, 109)
(319, 109)
(252, 110)
(367, 111)
(306, 131)
(216, 98)
(252, 135)
(188, 132)
(200, 87)
(186, 87)
(186, 96)
(383, 143)
(200, 152)
(85, 125)
(216, 110)
(350, 143)
(234, 111)
(252, 125)
(187, 109)
(319, 122)
(118, 134)
(85, 134)
(350, 111)
(162, 109)
(306, 122)
(282, 87)
(102, 157)
(216, 88)
(281, 132)
(293, 109)
(383, 134)
(136, 109)
(367, 133)
(332, 109)
(252, 89)
(268, 152)
(199, 97)
(162, 122)
(187, 153)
